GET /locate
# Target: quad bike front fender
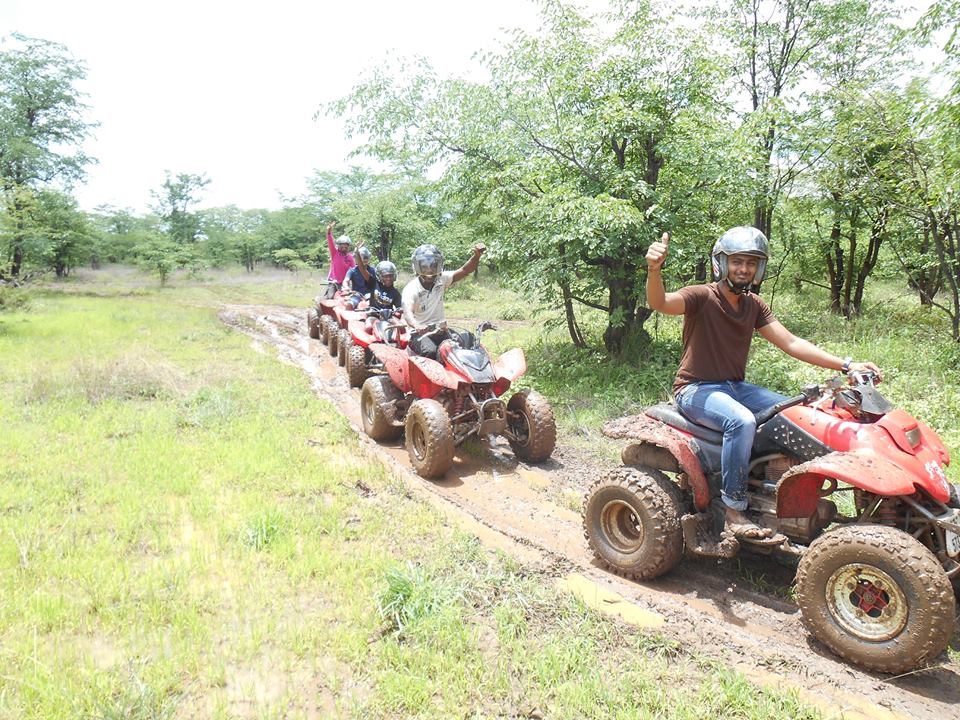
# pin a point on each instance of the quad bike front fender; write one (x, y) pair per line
(428, 377)
(508, 367)
(361, 336)
(511, 365)
(660, 446)
(798, 490)
(395, 362)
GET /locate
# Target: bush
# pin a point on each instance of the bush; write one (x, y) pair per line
(13, 298)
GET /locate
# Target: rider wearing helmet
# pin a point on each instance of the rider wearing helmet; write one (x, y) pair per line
(423, 296)
(385, 294)
(340, 259)
(361, 279)
(379, 281)
(719, 320)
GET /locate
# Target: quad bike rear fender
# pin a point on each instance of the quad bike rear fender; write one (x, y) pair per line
(660, 446)
(395, 362)
(798, 490)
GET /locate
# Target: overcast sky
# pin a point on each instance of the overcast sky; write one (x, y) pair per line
(230, 88)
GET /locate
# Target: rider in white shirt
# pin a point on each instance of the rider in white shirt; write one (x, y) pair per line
(423, 296)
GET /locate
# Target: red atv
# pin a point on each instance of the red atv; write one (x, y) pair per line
(333, 315)
(873, 582)
(379, 326)
(441, 404)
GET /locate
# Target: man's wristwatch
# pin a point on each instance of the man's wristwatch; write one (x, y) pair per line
(847, 362)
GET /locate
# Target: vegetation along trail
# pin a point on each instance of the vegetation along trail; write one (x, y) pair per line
(741, 616)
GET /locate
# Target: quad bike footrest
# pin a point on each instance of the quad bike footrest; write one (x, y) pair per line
(700, 540)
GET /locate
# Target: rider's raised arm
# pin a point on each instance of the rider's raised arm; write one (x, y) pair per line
(330, 240)
(361, 264)
(657, 297)
(470, 265)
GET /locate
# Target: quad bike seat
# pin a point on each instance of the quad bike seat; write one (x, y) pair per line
(669, 413)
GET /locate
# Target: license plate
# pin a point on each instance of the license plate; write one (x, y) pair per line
(953, 543)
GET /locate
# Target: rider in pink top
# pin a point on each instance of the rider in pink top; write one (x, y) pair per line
(340, 258)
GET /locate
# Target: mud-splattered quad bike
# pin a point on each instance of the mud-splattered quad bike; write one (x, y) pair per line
(379, 326)
(441, 404)
(333, 314)
(874, 586)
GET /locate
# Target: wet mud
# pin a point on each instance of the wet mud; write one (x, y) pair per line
(738, 612)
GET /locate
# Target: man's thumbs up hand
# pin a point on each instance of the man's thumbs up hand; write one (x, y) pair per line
(657, 252)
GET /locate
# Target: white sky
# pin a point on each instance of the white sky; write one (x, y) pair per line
(230, 88)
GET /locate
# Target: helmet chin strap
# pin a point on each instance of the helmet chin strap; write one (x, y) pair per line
(737, 289)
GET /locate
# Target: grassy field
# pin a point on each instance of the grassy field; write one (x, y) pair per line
(187, 531)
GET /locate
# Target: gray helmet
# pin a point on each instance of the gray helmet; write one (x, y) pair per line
(365, 254)
(384, 268)
(344, 240)
(427, 260)
(740, 240)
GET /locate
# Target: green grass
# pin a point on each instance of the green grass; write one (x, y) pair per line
(182, 536)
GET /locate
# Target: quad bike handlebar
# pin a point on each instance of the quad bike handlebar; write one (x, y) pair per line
(856, 392)
(382, 313)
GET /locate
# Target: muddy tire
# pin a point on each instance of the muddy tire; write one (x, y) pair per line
(344, 343)
(536, 424)
(429, 438)
(313, 323)
(333, 334)
(325, 323)
(375, 400)
(631, 519)
(356, 365)
(877, 597)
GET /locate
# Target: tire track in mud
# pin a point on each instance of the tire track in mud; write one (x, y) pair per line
(703, 603)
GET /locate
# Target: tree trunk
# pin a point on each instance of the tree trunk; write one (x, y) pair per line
(944, 237)
(576, 336)
(848, 270)
(834, 259)
(622, 307)
(873, 253)
(701, 271)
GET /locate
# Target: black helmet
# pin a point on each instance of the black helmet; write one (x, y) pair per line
(365, 254)
(427, 261)
(742, 240)
(385, 267)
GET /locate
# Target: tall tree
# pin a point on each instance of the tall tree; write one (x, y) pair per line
(174, 200)
(42, 128)
(587, 142)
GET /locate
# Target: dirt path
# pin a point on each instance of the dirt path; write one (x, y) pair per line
(704, 604)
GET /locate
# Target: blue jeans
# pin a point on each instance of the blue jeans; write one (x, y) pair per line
(729, 407)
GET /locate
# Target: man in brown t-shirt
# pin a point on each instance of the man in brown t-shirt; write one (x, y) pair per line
(719, 320)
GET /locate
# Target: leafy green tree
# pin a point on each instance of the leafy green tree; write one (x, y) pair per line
(393, 212)
(119, 232)
(297, 228)
(42, 128)
(64, 233)
(159, 255)
(845, 154)
(231, 234)
(173, 202)
(588, 144)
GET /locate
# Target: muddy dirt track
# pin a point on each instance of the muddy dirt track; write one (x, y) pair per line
(702, 603)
